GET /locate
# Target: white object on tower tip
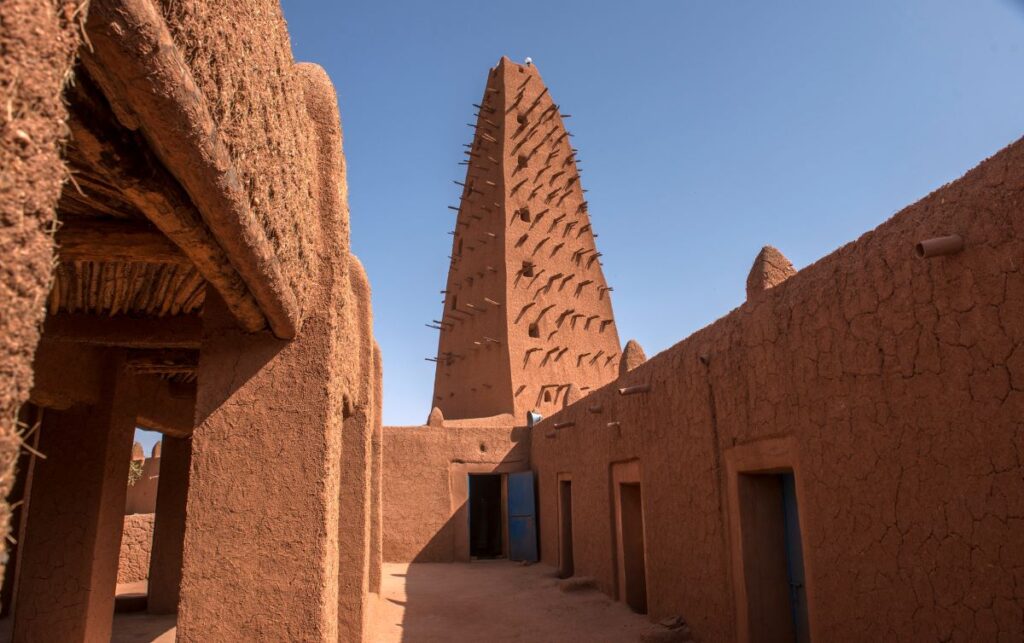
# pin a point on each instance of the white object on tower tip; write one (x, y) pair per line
(529, 61)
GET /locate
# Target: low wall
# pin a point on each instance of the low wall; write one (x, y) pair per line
(141, 497)
(424, 486)
(892, 387)
(136, 545)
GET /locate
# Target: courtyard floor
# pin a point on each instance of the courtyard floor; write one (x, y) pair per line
(489, 601)
(493, 601)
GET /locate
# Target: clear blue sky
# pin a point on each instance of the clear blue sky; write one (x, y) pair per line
(706, 129)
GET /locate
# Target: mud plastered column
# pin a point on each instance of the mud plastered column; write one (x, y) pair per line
(355, 521)
(377, 479)
(169, 526)
(357, 380)
(73, 535)
(262, 545)
(259, 550)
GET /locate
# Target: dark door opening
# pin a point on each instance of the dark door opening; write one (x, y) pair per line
(566, 567)
(485, 516)
(635, 581)
(773, 558)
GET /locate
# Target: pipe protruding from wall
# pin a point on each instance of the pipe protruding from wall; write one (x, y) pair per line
(564, 425)
(632, 356)
(938, 246)
(633, 390)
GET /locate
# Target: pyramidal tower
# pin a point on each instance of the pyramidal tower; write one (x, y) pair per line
(527, 321)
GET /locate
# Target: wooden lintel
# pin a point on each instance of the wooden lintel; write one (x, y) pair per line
(165, 406)
(164, 361)
(177, 331)
(95, 239)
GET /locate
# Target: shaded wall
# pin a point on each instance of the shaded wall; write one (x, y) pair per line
(136, 546)
(892, 386)
(423, 507)
(37, 39)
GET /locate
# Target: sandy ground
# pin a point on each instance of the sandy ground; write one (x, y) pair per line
(493, 601)
(487, 601)
(143, 628)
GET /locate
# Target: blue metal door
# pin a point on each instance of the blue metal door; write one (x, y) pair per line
(522, 521)
(794, 558)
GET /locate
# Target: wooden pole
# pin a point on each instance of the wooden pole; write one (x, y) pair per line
(94, 239)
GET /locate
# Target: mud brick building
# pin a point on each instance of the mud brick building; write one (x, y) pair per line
(175, 242)
(837, 459)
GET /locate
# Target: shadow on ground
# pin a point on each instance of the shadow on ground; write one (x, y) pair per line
(493, 600)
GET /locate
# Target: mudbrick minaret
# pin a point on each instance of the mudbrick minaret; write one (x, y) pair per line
(527, 319)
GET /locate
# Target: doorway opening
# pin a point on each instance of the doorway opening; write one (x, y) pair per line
(486, 523)
(773, 561)
(566, 566)
(634, 581)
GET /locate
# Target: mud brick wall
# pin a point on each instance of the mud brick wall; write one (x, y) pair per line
(421, 505)
(136, 546)
(899, 381)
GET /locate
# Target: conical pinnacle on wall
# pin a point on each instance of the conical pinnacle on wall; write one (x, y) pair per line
(770, 269)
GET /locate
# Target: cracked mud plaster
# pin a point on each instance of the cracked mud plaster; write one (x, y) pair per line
(902, 382)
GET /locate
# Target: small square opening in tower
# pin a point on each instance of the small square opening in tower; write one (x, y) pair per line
(534, 330)
(524, 214)
(527, 269)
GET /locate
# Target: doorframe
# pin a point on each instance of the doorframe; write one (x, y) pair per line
(458, 492)
(773, 455)
(626, 472)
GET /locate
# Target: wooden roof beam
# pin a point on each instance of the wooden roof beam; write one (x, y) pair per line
(177, 331)
(95, 239)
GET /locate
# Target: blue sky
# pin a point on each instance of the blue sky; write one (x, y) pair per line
(706, 129)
